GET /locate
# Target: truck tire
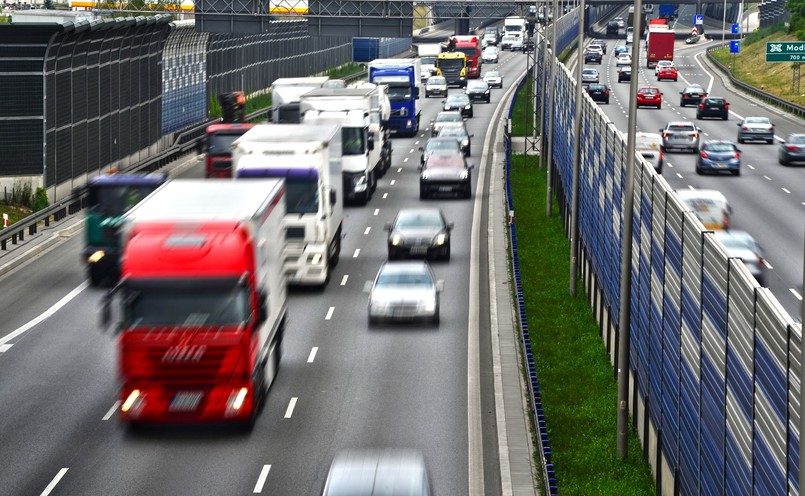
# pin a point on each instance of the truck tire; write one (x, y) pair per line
(97, 276)
(335, 251)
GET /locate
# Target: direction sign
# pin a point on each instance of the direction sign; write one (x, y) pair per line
(736, 28)
(694, 31)
(735, 46)
(785, 51)
(698, 19)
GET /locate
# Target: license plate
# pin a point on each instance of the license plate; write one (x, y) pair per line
(419, 250)
(445, 188)
(185, 401)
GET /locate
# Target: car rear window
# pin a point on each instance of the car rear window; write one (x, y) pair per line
(680, 127)
(797, 140)
(715, 101)
(719, 147)
(649, 91)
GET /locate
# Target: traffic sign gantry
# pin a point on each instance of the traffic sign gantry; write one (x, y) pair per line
(785, 51)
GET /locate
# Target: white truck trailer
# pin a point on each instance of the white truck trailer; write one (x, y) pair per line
(285, 94)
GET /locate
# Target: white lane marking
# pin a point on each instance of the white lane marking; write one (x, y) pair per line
(385, 195)
(329, 313)
(767, 178)
(357, 252)
(405, 159)
(751, 166)
(767, 264)
(53, 483)
(416, 143)
(412, 151)
(261, 479)
(377, 211)
(47, 313)
(291, 406)
(5, 347)
(786, 191)
(344, 280)
(710, 83)
(312, 355)
(112, 410)
(796, 295)
(392, 182)
(399, 169)
(679, 175)
(366, 231)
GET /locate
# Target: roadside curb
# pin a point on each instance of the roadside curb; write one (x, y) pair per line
(42, 246)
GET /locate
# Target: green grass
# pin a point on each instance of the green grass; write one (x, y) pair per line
(15, 213)
(523, 113)
(576, 379)
(344, 70)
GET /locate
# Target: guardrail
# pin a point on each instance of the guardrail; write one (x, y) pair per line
(790, 107)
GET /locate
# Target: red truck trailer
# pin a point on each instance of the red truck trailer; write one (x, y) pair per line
(660, 45)
(202, 301)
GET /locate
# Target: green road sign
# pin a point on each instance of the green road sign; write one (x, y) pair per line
(785, 51)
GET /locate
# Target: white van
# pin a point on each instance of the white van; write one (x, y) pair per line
(629, 34)
(649, 145)
(709, 206)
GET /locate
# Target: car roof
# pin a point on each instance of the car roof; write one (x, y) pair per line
(404, 266)
(452, 160)
(375, 472)
(438, 139)
(712, 194)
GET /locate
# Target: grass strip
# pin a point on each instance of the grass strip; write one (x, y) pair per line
(579, 391)
(523, 112)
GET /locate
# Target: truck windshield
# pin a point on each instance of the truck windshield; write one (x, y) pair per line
(451, 64)
(114, 200)
(221, 144)
(352, 142)
(301, 196)
(168, 306)
(399, 93)
(427, 60)
(469, 51)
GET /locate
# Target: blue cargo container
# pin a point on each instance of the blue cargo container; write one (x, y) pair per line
(667, 11)
(368, 49)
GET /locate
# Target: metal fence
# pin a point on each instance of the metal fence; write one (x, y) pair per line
(714, 358)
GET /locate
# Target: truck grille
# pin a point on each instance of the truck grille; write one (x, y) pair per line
(109, 234)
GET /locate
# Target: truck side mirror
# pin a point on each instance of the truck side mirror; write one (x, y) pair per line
(333, 197)
(106, 310)
(416, 93)
(262, 308)
(370, 142)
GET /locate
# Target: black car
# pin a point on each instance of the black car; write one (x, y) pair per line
(478, 90)
(692, 95)
(598, 92)
(613, 27)
(459, 102)
(792, 149)
(624, 74)
(418, 232)
(459, 133)
(713, 106)
(439, 145)
(528, 46)
(592, 57)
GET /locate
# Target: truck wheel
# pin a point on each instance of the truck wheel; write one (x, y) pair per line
(335, 249)
(96, 275)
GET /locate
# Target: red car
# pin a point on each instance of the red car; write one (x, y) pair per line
(649, 96)
(667, 72)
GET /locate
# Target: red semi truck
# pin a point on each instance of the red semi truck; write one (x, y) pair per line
(660, 45)
(202, 301)
(218, 139)
(470, 45)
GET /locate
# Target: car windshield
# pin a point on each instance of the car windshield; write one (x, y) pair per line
(399, 93)
(117, 199)
(188, 307)
(418, 219)
(457, 131)
(477, 85)
(435, 80)
(715, 101)
(492, 74)
(393, 278)
(449, 117)
(597, 87)
(458, 99)
(719, 147)
(441, 144)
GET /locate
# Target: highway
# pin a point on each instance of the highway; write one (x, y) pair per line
(340, 385)
(767, 198)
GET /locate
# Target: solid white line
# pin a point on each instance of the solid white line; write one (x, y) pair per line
(261, 480)
(312, 355)
(112, 410)
(767, 264)
(357, 251)
(53, 483)
(788, 192)
(5, 347)
(344, 280)
(392, 182)
(385, 195)
(796, 295)
(329, 313)
(377, 211)
(291, 406)
(366, 231)
(47, 313)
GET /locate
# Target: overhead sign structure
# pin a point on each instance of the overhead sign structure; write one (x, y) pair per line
(785, 51)
(735, 46)
(698, 19)
(736, 28)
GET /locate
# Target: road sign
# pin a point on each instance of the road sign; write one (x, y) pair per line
(698, 19)
(785, 51)
(735, 46)
(694, 31)
(736, 28)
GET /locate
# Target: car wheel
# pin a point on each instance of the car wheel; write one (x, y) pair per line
(737, 172)
(699, 170)
(740, 140)
(782, 161)
(770, 142)
(427, 95)
(607, 101)
(373, 321)
(435, 319)
(698, 116)
(726, 117)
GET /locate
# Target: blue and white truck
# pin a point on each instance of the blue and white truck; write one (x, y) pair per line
(402, 76)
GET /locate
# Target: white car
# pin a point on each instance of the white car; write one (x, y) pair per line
(623, 59)
(490, 54)
(494, 79)
(595, 47)
(436, 85)
(404, 291)
(506, 42)
(649, 146)
(661, 64)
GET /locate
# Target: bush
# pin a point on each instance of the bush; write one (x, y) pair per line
(39, 200)
(21, 193)
(762, 33)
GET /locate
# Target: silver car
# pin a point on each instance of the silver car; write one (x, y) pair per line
(443, 118)
(589, 76)
(494, 79)
(378, 473)
(680, 135)
(435, 85)
(741, 244)
(756, 128)
(404, 291)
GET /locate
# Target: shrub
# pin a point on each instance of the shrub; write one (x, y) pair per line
(39, 200)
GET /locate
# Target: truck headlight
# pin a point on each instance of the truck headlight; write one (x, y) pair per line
(465, 143)
(463, 174)
(96, 257)
(359, 185)
(408, 123)
(425, 176)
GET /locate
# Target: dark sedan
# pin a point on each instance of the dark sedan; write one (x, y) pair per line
(459, 133)
(419, 232)
(439, 145)
(692, 95)
(598, 92)
(459, 102)
(593, 57)
(717, 156)
(478, 90)
(624, 74)
(445, 174)
(792, 149)
(713, 106)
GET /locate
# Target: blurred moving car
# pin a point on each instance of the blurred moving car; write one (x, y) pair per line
(719, 155)
(649, 146)
(490, 39)
(404, 291)
(598, 92)
(506, 41)
(593, 57)
(756, 128)
(443, 118)
(792, 149)
(599, 43)
(613, 27)
(661, 64)
(623, 59)
(625, 74)
(491, 54)
(741, 244)
(459, 102)
(447, 145)
(589, 76)
(478, 90)
(668, 72)
(621, 49)
(435, 85)
(528, 46)
(680, 134)
(494, 79)
(445, 174)
(377, 473)
(713, 106)
(649, 96)
(459, 133)
(419, 232)
(710, 206)
(692, 40)
(620, 21)
(692, 94)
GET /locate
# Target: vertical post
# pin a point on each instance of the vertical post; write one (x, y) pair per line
(551, 93)
(801, 379)
(724, 24)
(624, 320)
(574, 208)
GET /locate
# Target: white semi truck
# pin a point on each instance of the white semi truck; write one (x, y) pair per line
(285, 94)
(309, 158)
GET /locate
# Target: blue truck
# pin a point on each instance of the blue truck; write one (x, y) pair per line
(667, 11)
(402, 76)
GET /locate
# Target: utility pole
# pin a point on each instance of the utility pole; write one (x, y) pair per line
(551, 91)
(574, 208)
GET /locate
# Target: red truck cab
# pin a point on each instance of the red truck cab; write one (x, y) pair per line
(470, 45)
(218, 141)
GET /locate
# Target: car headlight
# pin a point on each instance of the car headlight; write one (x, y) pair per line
(465, 143)
(396, 239)
(467, 107)
(463, 174)
(429, 304)
(440, 239)
(425, 176)
(447, 107)
(486, 92)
